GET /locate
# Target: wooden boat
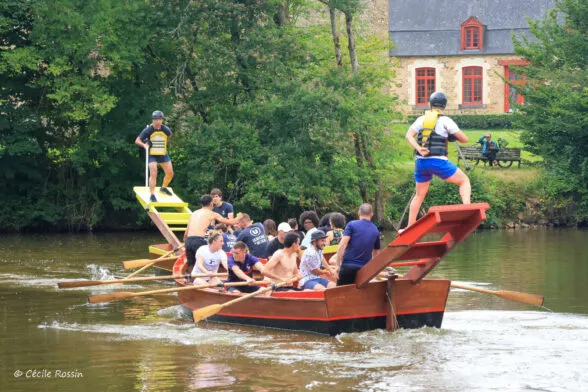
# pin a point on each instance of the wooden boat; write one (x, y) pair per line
(406, 302)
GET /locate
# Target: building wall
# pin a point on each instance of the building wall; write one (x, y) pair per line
(449, 80)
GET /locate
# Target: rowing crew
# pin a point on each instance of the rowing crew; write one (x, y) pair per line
(359, 241)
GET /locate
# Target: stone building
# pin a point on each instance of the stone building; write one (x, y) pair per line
(461, 47)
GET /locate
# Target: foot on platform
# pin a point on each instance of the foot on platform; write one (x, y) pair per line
(153, 199)
(400, 231)
(166, 191)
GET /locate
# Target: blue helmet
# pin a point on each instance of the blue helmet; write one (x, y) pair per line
(157, 114)
(438, 99)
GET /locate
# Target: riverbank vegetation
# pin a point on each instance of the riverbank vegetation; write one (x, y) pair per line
(281, 115)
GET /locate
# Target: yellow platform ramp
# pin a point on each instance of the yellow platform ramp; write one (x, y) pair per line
(171, 210)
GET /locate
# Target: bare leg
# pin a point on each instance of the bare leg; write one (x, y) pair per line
(465, 188)
(415, 204)
(152, 176)
(169, 173)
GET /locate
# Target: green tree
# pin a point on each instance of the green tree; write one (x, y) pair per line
(556, 97)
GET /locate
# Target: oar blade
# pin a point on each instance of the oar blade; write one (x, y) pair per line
(101, 298)
(136, 263)
(78, 283)
(130, 264)
(526, 298)
(207, 311)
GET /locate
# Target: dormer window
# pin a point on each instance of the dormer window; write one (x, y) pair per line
(472, 34)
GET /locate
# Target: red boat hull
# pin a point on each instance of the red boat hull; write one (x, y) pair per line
(334, 311)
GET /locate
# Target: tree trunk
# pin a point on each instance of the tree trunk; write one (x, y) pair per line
(351, 40)
(281, 16)
(359, 159)
(336, 43)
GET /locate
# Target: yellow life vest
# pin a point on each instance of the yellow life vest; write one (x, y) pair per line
(428, 126)
(158, 141)
(436, 143)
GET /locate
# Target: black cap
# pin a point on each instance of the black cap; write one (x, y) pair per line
(317, 235)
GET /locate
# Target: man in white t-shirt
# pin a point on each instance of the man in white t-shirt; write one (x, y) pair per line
(430, 145)
(208, 259)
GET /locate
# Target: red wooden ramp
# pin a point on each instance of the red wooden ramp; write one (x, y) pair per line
(453, 222)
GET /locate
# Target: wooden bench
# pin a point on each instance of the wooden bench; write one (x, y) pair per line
(505, 157)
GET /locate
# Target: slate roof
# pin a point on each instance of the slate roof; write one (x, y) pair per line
(432, 27)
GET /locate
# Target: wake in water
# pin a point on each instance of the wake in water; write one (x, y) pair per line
(99, 273)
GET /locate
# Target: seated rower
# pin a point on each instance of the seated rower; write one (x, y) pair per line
(282, 265)
(208, 259)
(313, 277)
(240, 266)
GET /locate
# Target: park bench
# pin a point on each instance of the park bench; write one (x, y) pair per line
(505, 156)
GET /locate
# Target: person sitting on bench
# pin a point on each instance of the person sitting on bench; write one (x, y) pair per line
(489, 148)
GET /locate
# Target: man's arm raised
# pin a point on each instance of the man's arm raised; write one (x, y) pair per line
(227, 221)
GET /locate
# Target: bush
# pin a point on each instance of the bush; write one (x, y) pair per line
(479, 121)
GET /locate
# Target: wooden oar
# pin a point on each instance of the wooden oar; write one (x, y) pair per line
(130, 264)
(517, 296)
(84, 283)
(211, 310)
(153, 262)
(99, 298)
(142, 262)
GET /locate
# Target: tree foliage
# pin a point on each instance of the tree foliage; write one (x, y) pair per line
(258, 106)
(556, 96)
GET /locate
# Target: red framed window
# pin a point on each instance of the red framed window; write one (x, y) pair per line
(472, 34)
(472, 85)
(425, 85)
(510, 93)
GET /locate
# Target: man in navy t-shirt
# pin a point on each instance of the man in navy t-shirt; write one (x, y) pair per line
(253, 235)
(360, 239)
(241, 265)
(220, 206)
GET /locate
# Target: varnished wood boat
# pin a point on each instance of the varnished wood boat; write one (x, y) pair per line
(407, 302)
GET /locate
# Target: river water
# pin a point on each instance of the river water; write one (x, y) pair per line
(52, 340)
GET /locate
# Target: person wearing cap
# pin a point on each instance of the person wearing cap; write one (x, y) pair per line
(278, 242)
(489, 148)
(361, 239)
(313, 277)
(429, 136)
(154, 139)
(282, 267)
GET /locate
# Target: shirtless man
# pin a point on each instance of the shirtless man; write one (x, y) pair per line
(198, 224)
(282, 265)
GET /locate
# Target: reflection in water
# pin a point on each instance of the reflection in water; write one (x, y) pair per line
(151, 344)
(207, 375)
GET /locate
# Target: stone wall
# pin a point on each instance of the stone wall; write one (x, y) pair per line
(449, 80)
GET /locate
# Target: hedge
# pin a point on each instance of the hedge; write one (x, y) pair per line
(478, 121)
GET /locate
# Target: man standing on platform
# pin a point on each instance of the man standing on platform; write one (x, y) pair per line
(154, 139)
(361, 239)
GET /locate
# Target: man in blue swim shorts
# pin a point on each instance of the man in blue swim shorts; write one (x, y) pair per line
(429, 136)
